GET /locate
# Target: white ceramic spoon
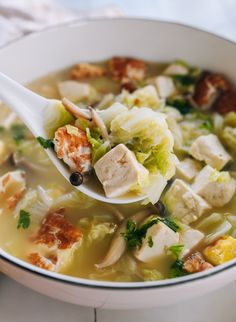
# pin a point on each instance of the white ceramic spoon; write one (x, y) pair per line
(32, 108)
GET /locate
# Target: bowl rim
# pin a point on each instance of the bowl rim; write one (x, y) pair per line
(107, 285)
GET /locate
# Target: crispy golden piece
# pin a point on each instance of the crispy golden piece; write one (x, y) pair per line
(57, 231)
(71, 145)
(81, 71)
(196, 263)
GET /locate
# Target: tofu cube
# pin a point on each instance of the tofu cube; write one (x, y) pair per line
(183, 203)
(162, 236)
(217, 188)
(75, 91)
(119, 171)
(190, 238)
(188, 169)
(208, 148)
(223, 250)
(165, 86)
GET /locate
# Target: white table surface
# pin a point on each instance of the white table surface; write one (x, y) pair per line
(18, 304)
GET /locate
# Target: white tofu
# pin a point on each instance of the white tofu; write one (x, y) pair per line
(75, 91)
(162, 236)
(188, 169)
(190, 238)
(119, 171)
(217, 188)
(183, 203)
(176, 69)
(208, 148)
(165, 86)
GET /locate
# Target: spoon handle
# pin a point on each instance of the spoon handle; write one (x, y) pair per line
(29, 106)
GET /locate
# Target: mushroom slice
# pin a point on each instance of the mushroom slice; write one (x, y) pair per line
(118, 244)
(99, 123)
(75, 110)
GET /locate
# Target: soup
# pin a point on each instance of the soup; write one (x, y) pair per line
(166, 130)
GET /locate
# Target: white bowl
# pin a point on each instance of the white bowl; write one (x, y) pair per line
(96, 40)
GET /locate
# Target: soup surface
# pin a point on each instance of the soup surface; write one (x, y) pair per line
(175, 122)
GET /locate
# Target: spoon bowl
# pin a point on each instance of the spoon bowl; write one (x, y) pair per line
(32, 109)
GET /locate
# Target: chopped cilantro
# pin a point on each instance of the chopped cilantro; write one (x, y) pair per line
(24, 220)
(208, 125)
(134, 235)
(150, 241)
(177, 269)
(176, 250)
(45, 143)
(18, 132)
(181, 104)
(170, 223)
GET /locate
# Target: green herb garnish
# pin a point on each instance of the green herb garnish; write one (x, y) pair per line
(134, 235)
(177, 269)
(176, 250)
(150, 241)
(24, 220)
(170, 223)
(184, 80)
(180, 104)
(18, 132)
(45, 143)
(207, 125)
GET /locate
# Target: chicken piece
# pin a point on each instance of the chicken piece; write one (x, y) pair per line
(226, 103)
(217, 188)
(208, 89)
(57, 239)
(221, 251)
(162, 237)
(86, 71)
(72, 146)
(12, 188)
(190, 238)
(208, 148)
(176, 69)
(4, 152)
(188, 169)
(165, 86)
(119, 171)
(196, 263)
(75, 91)
(183, 203)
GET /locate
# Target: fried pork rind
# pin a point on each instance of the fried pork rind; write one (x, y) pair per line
(84, 70)
(57, 239)
(72, 145)
(196, 263)
(127, 71)
(209, 88)
(12, 188)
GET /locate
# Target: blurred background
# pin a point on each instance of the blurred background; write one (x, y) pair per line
(19, 17)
